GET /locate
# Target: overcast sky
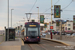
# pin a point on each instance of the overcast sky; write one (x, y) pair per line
(23, 6)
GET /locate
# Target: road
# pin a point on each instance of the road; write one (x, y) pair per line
(45, 45)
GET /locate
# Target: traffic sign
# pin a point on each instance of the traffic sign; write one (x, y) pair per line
(51, 27)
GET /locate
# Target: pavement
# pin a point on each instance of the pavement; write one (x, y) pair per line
(16, 45)
(12, 45)
(1, 38)
(61, 41)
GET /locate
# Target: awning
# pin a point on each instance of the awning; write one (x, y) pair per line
(68, 31)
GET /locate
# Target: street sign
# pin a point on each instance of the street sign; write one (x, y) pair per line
(57, 23)
(45, 25)
(51, 27)
(41, 18)
(57, 11)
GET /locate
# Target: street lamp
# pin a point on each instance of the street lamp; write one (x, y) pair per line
(11, 17)
(38, 14)
(24, 20)
(8, 22)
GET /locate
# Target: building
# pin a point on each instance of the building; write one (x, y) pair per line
(2, 32)
(68, 25)
(54, 26)
(62, 27)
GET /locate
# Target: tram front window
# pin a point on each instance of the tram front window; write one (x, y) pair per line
(32, 32)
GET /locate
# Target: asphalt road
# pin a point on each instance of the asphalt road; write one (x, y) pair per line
(46, 45)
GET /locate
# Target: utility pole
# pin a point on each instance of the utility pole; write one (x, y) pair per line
(8, 23)
(51, 12)
(17, 28)
(11, 17)
(38, 14)
(61, 29)
(51, 18)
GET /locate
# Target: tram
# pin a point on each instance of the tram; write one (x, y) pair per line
(32, 32)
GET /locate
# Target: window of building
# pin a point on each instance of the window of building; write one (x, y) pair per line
(68, 24)
(65, 28)
(68, 28)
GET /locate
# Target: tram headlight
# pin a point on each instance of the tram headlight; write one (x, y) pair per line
(37, 37)
(27, 37)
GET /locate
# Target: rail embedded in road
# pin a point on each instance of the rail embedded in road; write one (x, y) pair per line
(45, 45)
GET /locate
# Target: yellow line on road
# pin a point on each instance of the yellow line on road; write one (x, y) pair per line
(57, 41)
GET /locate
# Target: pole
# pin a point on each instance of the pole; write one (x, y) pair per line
(38, 14)
(11, 17)
(60, 29)
(24, 20)
(51, 18)
(8, 22)
(17, 28)
(30, 17)
(51, 12)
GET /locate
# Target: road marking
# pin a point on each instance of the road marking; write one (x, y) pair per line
(57, 41)
(22, 42)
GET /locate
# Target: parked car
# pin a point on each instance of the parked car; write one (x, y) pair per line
(73, 34)
(48, 33)
(68, 34)
(63, 33)
(43, 34)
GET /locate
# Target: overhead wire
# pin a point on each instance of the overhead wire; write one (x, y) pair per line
(56, 2)
(69, 10)
(52, 5)
(32, 6)
(30, 11)
(62, 8)
(67, 5)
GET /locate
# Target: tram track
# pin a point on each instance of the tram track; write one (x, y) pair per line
(43, 45)
(30, 47)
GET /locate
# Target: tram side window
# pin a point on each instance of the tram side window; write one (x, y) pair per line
(25, 31)
(39, 31)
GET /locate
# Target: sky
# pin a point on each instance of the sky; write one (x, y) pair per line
(24, 6)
